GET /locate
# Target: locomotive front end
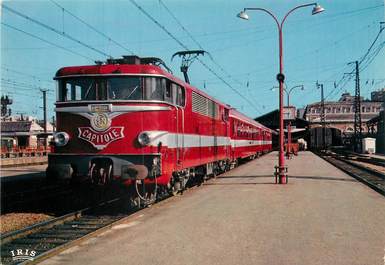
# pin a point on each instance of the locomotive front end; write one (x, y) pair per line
(112, 123)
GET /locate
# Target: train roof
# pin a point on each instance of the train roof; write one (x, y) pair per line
(113, 69)
(236, 114)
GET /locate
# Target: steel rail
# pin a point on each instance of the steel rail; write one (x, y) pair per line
(56, 230)
(363, 174)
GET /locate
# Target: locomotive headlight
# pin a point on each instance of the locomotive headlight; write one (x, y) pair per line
(144, 138)
(61, 138)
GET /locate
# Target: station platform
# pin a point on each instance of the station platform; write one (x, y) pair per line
(23, 161)
(18, 173)
(322, 216)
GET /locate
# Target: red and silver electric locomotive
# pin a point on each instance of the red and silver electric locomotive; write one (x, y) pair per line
(128, 120)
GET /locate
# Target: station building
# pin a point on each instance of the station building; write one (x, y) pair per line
(339, 117)
(24, 133)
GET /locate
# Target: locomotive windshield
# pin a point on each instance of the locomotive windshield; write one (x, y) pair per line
(73, 89)
(120, 88)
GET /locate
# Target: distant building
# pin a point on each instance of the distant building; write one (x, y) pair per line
(340, 114)
(24, 133)
(271, 120)
(378, 95)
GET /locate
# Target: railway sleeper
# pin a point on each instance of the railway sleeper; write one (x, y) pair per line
(31, 241)
(58, 235)
(39, 248)
(79, 226)
(97, 220)
(76, 230)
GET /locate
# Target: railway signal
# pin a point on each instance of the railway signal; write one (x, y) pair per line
(5, 101)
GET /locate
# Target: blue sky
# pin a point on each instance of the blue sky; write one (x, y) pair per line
(245, 53)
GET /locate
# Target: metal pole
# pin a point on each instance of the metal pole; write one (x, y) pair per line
(357, 112)
(45, 116)
(288, 98)
(281, 77)
(288, 127)
(323, 117)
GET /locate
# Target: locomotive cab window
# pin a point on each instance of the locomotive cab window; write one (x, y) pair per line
(154, 88)
(120, 88)
(181, 96)
(225, 115)
(124, 88)
(113, 88)
(174, 94)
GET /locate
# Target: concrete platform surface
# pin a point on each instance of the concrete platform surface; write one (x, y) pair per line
(22, 161)
(22, 173)
(321, 217)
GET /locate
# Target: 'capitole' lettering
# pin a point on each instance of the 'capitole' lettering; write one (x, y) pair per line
(100, 139)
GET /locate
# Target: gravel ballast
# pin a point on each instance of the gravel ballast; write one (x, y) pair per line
(14, 221)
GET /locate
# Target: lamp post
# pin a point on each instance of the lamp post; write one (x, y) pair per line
(288, 92)
(281, 170)
(289, 125)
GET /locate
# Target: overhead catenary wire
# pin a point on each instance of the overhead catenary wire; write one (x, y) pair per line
(11, 91)
(196, 42)
(92, 27)
(46, 41)
(368, 57)
(371, 46)
(22, 84)
(185, 47)
(27, 75)
(373, 56)
(200, 46)
(55, 30)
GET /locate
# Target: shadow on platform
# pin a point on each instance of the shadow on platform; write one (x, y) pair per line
(273, 181)
(239, 183)
(323, 178)
(243, 183)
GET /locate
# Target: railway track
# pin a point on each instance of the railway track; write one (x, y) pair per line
(360, 157)
(30, 199)
(56, 199)
(365, 174)
(53, 236)
(45, 239)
